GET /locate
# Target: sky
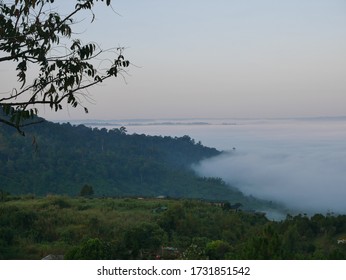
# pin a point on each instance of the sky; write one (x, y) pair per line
(216, 59)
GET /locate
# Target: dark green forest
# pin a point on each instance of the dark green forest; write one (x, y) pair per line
(62, 158)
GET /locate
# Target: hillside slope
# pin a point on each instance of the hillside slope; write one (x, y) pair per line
(61, 158)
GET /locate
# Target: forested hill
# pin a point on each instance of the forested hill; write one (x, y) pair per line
(62, 158)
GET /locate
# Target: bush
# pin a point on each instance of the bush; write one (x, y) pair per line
(217, 249)
(94, 249)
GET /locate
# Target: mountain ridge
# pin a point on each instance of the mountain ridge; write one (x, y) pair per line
(60, 159)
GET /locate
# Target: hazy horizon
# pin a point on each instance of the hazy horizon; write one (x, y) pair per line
(229, 120)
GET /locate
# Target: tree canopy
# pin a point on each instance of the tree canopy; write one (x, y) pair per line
(129, 228)
(32, 34)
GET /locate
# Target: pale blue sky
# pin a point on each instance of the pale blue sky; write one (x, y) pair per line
(220, 59)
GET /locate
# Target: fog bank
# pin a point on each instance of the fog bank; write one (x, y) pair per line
(300, 164)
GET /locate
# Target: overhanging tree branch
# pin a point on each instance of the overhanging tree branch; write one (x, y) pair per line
(28, 35)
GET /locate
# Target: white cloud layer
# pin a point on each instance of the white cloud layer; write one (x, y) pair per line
(306, 172)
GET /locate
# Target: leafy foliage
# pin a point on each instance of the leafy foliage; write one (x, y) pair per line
(92, 249)
(107, 228)
(31, 33)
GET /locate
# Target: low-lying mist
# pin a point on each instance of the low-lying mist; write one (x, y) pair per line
(300, 165)
(298, 162)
